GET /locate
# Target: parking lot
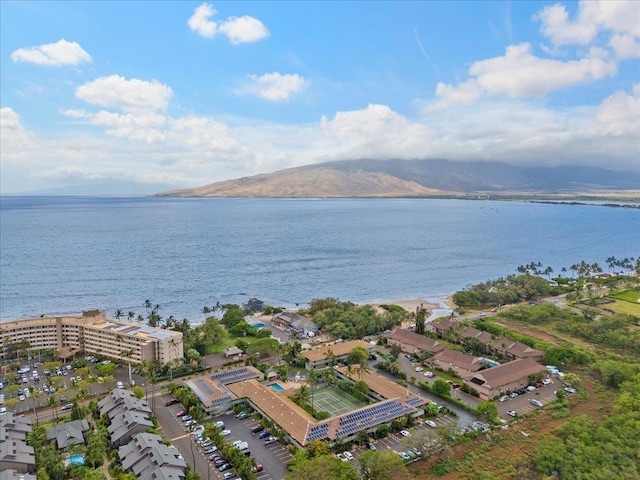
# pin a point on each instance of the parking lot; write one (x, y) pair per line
(272, 457)
(522, 403)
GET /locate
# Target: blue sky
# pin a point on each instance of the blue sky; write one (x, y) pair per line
(187, 93)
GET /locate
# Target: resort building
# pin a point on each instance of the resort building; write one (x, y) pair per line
(411, 342)
(293, 321)
(508, 377)
(213, 390)
(442, 326)
(69, 433)
(93, 333)
(149, 458)
(15, 454)
(390, 401)
(321, 357)
(460, 363)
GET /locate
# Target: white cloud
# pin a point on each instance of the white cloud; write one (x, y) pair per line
(625, 46)
(619, 114)
(52, 54)
(117, 91)
(243, 29)
(273, 86)
(199, 22)
(466, 93)
(561, 31)
(619, 19)
(520, 74)
(15, 144)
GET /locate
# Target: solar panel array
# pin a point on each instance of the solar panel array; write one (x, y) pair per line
(415, 401)
(318, 432)
(376, 414)
(203, 385)
(233, 376)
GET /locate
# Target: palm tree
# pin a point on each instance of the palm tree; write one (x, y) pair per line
(301, 397)
(314, 379)
(128, 354)
(331, 358)
(131, 315)
(119, 314)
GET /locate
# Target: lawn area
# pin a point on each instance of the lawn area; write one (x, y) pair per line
(621, 306)
(632, 296)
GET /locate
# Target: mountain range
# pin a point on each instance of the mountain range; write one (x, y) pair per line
(417, 178)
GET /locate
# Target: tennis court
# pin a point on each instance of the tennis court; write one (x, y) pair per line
(334, 402)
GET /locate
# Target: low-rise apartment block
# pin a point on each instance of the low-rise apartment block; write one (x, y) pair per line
(15, 454)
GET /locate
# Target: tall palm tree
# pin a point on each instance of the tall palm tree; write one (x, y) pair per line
(313, 380)
(119, 314)
(301, 397)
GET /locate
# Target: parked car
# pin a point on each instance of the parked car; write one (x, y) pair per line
(171, 401)
(243, 415)
(504, 398)
(404, 456)
(224, 466)
(569, 390)
(270, 440)
(226, 432)
(419, 369)
(348, 455)
(120, 385)
(210, 449)
(404, 433)
(431, 423)
(181, 413)
(229, 475)
(257, 429)
(428, 374)
(511, 412)
(513, 394)
(257, 468)
(536, 402)
(371, 447)
(546, 381)
(342, 457)
(186, 418)
(264, 434)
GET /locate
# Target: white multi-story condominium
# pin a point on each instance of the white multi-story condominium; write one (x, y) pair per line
(93, 333)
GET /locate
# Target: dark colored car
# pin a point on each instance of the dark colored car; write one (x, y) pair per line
(264, 434)
(171, 401)
(257, 429)
(224, 467)
(181, 413)
(219, 462)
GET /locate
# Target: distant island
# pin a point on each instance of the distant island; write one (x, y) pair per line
(430, 179)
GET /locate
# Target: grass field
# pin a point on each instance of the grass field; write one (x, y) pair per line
(620, 306)
(334, 402)
(632, 296)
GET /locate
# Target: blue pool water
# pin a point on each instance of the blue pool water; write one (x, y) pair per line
(76, 459)
(275, 386)
(258, 325)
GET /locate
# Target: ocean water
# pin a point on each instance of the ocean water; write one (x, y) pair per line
(62, 255)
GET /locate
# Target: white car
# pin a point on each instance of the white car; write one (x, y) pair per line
(419, 369)
(428, 374)
(21, 398)
(546, 381)
(226, 432)
(504, 398)
(431, 423)
(404, 433)
(3, 410)
(120, 385)
(342, 457)
(404, 456)
(536, 402)
(511, 412)
(348, 455)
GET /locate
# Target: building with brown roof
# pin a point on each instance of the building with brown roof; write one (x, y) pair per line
(442, 326)
(510, 349)
(213, 389)
(411, 342)
(480, 335)
(395, 402)
(459, 362)
(492, 382)
(319, 356)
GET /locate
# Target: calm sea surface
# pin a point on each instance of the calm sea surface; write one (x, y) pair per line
(62, 255)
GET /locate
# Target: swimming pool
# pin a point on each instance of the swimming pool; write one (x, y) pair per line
(76, 459)
(275, 386)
